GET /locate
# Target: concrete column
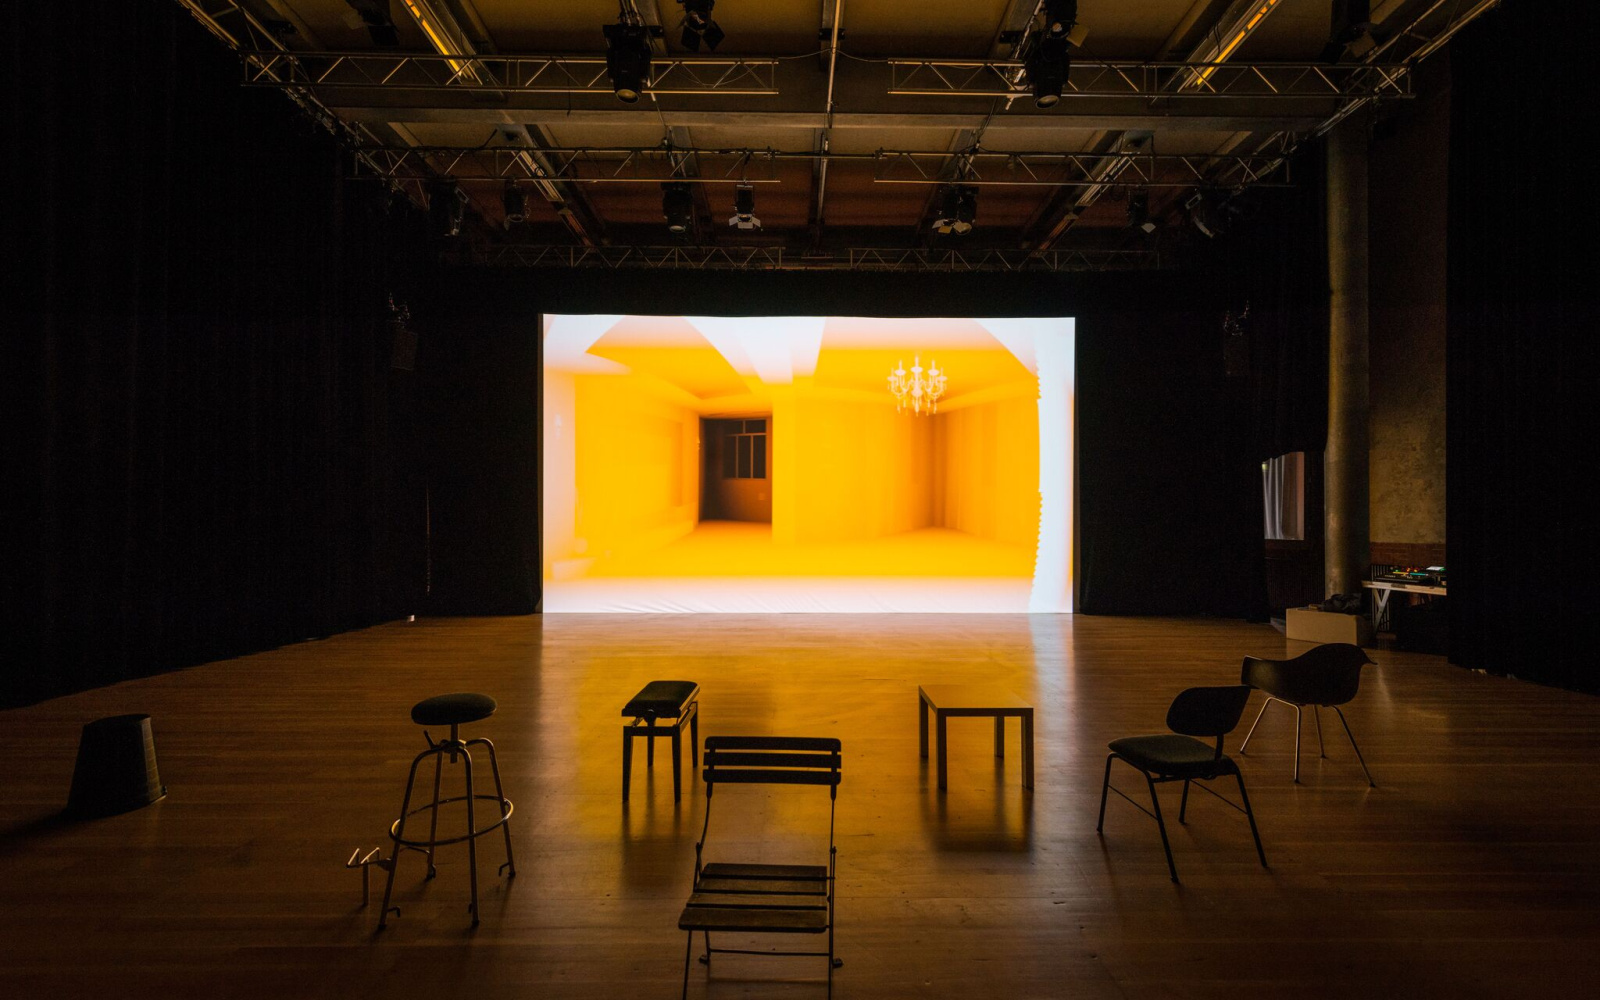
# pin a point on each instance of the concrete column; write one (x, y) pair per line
(1346, 497)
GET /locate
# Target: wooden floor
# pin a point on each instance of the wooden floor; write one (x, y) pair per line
(1471, 871)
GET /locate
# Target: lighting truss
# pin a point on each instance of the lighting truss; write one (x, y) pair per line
(1151, 80)
(993, 169)
(736, 258)
(581, 165)
(655, 164)
(502, 74)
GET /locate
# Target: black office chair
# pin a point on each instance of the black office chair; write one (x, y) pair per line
(1210, 712)
(1329, 675)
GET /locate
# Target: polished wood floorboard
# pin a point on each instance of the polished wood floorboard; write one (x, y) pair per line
(1470, 871)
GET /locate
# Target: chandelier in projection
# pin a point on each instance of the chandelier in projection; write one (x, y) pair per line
(919, 389)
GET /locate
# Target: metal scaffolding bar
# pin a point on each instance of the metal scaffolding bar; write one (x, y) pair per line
(502, 74)
(514, 255)
(1185, 81)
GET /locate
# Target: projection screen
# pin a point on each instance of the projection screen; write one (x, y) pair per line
(805, 463)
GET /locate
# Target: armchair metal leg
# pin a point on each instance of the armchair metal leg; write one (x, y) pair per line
(1183, 805)
(1316, 713)
(1299, 717)
(1162, 826)
(1246, 744)
(1250, 815)
(1363, 760)
(1105, 788)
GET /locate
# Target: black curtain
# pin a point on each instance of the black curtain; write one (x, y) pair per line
(1169, 480)
(1521, 364)
(209, 446)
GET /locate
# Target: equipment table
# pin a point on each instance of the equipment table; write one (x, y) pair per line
(973, 700)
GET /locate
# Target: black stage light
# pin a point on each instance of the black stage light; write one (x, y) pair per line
(1047, 67)
(677, 204)
(446, 208)
(627, 60)
(1139, 210)
(958, 210)
(744, 208)
(515, 202)
(1059, 17)
(375, 15)
(699, 27)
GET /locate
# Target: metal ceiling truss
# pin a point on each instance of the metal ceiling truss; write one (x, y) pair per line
(1151, 80)
(650, 165)
(503, 74)
(773, 258)
(240, 30)
(989, 169)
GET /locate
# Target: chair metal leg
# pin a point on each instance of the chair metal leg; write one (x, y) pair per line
(705, 959)
(627, 760)
(433, 820)
(1299, 717)
(1162, 826)
(1363, 760)
(472, 835)
(1105, 789)
(677, 763)
(1246, 744)
(1322, 751)
(510, 867)
(400, 831)
(688, 950)
(1250, 815)
(1183, 804)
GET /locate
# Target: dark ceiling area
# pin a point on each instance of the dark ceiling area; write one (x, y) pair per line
(859, 134)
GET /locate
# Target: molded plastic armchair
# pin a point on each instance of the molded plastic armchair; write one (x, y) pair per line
(1329, 675)
(1209, 712)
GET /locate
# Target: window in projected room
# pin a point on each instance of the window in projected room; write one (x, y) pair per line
(829, 464)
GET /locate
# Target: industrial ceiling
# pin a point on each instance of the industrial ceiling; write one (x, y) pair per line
(876, 134)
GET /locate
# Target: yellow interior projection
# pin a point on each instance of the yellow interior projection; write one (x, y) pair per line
(685, 450)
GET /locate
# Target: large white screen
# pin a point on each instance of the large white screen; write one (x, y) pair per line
(697, 463)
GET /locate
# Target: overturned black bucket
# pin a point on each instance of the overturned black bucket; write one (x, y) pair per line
(116, 770)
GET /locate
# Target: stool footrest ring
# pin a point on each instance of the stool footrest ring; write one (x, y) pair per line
(423, 845)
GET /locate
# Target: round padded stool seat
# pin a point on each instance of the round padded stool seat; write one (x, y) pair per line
(452, 709)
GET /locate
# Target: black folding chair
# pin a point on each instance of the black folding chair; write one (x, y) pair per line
(1329, 675)
(1211, 712)
(764, 898)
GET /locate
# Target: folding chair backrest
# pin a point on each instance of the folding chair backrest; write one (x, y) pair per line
(1208, 711)
(772, 760)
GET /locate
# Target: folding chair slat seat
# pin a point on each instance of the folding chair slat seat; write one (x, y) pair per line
(758, 897)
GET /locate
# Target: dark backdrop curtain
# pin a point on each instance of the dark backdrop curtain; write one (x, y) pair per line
(1522, 373)
(1169, 482)
(207, 442)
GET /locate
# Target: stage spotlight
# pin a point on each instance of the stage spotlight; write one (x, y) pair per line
(1047, 67)
(677, 204)
(1059, 17)
(958, 210)
(375, 15)
(744, 208)
(698, 26)
(446, 208)
(627, 60)
(1139, 211)
(1201, 214)
(515, 202)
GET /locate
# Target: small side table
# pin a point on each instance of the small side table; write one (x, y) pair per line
(973, 700)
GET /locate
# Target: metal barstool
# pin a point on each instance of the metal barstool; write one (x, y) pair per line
(453, 710)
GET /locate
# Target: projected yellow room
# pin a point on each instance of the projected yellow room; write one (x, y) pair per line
(807, 464)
